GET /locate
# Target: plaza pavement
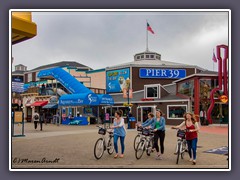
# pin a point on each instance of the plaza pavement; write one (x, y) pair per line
(72, 147)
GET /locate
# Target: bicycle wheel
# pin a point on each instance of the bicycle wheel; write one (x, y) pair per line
(99, 148)
(110, 147)
(184, 147)
(136, 141)
(140, 149)
(149, 147)
(178, 151)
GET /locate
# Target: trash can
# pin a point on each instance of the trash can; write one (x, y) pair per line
(132, 121)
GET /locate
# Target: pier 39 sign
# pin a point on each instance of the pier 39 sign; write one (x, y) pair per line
(162, 73)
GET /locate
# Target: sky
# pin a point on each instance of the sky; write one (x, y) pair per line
(103, 39)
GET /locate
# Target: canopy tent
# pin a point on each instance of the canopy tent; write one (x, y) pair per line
(66, 79)
(84, 99)
(105, 99)
(39, 103)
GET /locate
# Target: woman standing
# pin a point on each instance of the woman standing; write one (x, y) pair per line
(159, 133)
(119, 132)
(191, 135)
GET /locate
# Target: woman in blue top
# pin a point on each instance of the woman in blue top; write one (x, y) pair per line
(148, 122)
(119, 132)
(159, 133)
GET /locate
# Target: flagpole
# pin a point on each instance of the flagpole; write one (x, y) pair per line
(146, 37)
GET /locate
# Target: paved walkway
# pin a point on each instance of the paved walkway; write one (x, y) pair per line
(72, 147)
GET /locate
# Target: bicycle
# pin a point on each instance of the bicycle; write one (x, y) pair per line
(181, 147)
(138, 137)
(103, 144)
(146, 143)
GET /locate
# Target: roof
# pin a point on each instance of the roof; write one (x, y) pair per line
(203, 73)
(152, 63)
(18, 72)
(171, 88)
(20, 65)
(62, 64)
(207, 72)
(137, 96)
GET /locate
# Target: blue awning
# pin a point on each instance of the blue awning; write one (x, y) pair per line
(50, 106)
(84, 99)
(105, 99)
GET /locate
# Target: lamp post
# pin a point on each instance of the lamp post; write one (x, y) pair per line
(128, 99)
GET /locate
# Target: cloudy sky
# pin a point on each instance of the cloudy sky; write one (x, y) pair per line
(100, 39)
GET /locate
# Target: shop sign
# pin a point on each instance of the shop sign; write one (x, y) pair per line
(147, 99)
(223, 98)
(116, 80)
(162, 73)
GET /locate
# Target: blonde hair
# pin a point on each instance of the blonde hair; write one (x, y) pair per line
(193, 118)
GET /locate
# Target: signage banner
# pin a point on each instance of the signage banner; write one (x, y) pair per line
(18, 116)
(162, 73)
(116, 80)
(17, 87)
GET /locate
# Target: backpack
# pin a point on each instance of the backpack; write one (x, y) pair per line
(36, 116)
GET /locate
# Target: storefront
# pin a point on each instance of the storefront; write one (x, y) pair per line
(82, 109)
(155, 84)
(198, 88)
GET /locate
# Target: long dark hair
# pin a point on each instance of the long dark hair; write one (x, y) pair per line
(119, 112)
(161, 113)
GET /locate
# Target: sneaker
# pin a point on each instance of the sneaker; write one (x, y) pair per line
(158, 157)
(116, 156)
(190, 160)
(194, 162)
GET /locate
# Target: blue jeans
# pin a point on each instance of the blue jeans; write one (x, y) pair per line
(115, 137)
(192, 147)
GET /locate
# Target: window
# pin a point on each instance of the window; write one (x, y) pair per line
(29, 77)
(138, 57)
(37, 79)
(187, 88)
(152, 56)
(147, 56)
(158, 57)
(176, 111)
(152, 91)
(142, 56)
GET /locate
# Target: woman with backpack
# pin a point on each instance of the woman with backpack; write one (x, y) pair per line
(192, 129)
(35, 119)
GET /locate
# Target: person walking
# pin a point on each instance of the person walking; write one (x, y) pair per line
(192, 130)
(148, 122)
(41, 120)
(119, 132)
(35, 119)
(158, 127)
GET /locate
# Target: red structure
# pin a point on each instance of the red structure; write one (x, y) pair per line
(222, 78)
